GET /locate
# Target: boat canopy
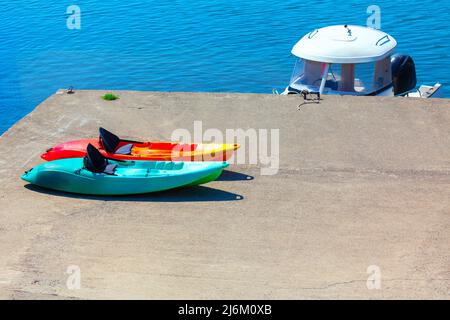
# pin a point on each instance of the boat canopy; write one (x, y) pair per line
(345, 44)
(341, 78)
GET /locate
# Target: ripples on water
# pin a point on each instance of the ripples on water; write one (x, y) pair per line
(215, 45)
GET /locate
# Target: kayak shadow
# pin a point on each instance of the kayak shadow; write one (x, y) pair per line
(233, 176)
(183, 194)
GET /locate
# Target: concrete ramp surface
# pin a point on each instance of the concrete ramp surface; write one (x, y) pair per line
(359, 207)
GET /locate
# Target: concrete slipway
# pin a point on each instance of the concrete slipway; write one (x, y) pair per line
(362, 182)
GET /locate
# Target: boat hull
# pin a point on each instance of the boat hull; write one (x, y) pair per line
(131, 177)
(151, 151)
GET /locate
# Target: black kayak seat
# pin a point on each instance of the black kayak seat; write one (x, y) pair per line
(95, 162)
(108, 140)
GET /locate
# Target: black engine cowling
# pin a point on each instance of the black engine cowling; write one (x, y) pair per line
(403, 73)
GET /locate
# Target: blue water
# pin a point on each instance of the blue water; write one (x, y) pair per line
(210, 45)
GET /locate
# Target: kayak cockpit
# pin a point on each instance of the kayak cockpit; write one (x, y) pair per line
(95, 162)
(113, 144)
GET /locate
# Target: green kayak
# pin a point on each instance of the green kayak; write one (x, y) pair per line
(97, 175)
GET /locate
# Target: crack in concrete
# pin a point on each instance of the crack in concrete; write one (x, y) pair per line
(335, 284)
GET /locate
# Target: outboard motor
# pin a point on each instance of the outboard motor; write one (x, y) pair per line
(403, 73)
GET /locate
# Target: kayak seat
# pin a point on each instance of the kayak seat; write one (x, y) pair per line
(95, 162)
(109, 141)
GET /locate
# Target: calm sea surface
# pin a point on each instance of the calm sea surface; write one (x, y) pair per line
(211, 45)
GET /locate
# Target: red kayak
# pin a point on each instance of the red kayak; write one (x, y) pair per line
(113, 147)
